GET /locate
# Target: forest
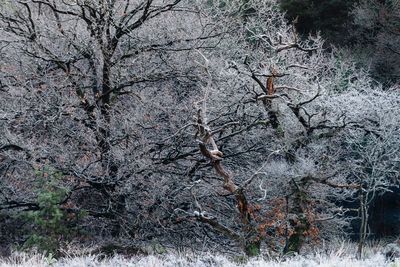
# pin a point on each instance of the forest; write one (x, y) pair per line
(246, 128)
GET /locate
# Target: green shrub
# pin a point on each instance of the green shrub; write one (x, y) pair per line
(49, 222)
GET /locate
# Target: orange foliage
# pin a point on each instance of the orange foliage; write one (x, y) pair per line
(273, 223)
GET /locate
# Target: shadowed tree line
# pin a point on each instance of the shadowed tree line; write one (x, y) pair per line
(368, 28)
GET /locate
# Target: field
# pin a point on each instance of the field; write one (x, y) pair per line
(342, 255)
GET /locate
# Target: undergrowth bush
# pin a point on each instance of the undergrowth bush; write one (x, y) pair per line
(49, 221)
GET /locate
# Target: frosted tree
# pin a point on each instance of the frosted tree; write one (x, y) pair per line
(87, 86)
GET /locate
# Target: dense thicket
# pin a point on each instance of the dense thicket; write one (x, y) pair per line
(332, 18)
(378, 35)
(184, 124)
(368, 28)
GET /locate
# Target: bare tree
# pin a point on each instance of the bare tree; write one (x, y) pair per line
(86, 74)
(283, 102)
(372, 154)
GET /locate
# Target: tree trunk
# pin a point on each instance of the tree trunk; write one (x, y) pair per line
(299, 223)
(252, 240)
(363, 224)
(296, 240)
